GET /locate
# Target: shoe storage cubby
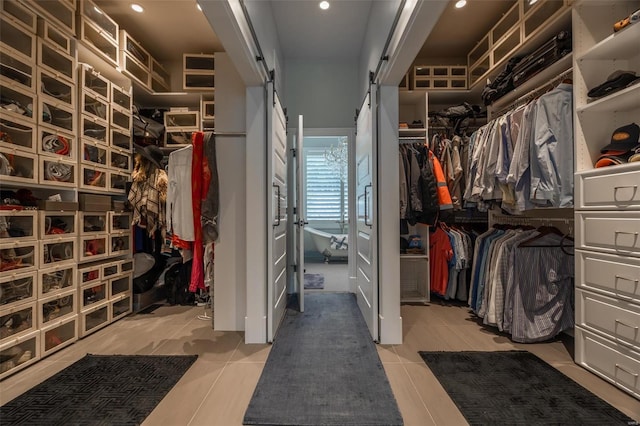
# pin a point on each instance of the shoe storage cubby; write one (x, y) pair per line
(58, 90)
(160, 78)
(19, 353)
(118, 182)
(121, 160)
(120, 285)
(120, 243)
(121, 139)
(17, 133)
(61, 12)
(93, 178)
(17, 101)
(57, 307)
(92, 81)
(18, 257)
(120, 118)
(94, 153)
(94, 129)
(119, 222)
(125, 266)
(106, 26)
(54, 224)
(198, 71)
(16, 40)
(60, 251)
(94, 318)
(93, 223)
(57, 114)
(133, 69)
(91, 294)
(58, 172)
(56, 38)
(178, 138)
(18, 14)
(207, 111)
(17, 288)
(89, 273)
(181, 120)
(18, 225)
(121, 307)
(121, 98)
(98, 41)
(17, 321)
(110, 270)
(59, 335)
(94, 106)
(18, 71)
(18, 166)
(56, 143)
(56, 61)
(93, 247)
(56, 280)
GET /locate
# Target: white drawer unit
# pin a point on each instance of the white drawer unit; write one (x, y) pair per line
(119, 222)
(612, 232)
(17, 288)
(89, 274)
(93, 178)
(94, 129)
(121, 139)
(18, 225)
(55, 224)
(57, 89)
(18, 14)
(92, 81)
(58, 62)
(56, 280)
(121, 307)
(94, 153)
(613, 362)
(17, 321)
(23, 166)
(609, 188)
(61, 12)
(94, 318)
(16, 40)
(17, 257)
(57, 307)
(58, 172)
(17, 133)
(94, 106)
(17, 101)
(93, 247)
(91, 294)
(59, 251)
(615, 319)
(198, 71)
(120, 118)
(611, 275)
(17, 70)
(56, 142)
(19, 353)
(56, 38)
(59, 335)
(120, 160)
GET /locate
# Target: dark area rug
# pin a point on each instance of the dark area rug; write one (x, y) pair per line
(517, 388)
(313, 281)
(99, 390)
(323, 369)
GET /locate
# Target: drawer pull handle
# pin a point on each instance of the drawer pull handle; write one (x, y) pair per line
(626, 370)
(633, 194)
(627, 325)
(620, 277)
(635, 236)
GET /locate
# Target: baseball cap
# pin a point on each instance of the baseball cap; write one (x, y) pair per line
(616, 81)
(623, 139)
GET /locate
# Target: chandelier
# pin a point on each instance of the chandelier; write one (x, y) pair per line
(337, 158)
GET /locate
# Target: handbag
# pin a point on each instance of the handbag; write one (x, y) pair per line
(145, 130)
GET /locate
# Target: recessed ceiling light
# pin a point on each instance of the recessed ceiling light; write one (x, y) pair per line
(531, 2)
(324, 5)
(461, 3)
(199, 7)
(137, 8)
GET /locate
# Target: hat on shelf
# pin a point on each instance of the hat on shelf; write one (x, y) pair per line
(629, 20)
(617, 80)
(624, 145)
(151, 153)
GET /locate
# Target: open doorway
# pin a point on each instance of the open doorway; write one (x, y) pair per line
(325, 183)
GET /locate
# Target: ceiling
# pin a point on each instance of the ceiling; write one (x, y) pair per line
(169, 28)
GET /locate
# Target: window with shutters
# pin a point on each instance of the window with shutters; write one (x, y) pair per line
(325, 188)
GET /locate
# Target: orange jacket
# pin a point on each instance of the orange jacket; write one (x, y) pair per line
(444, 197)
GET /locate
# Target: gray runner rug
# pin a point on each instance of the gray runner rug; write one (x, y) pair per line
(323, 369)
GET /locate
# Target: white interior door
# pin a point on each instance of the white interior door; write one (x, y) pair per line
(301, 213)
(366, 205)
(277, 204)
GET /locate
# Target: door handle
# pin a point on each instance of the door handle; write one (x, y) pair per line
(277, 221)
(366, 207)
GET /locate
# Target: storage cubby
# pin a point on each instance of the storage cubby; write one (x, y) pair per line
(19, 353)
(54, 113)
(58, 172)
(106, 26)
(58, 252)
(18, 14)
(93, 247)
(16, 289)
(56, 38)
(57, 143)
(56, 279)
(17, 101)
(58, 336)
(119, 222)
(198, 71)
(94, 153)
(133, 69)
(57, 307)
(119, 285)
(89, 273)
(17, 321)
(93, 223)
(160, 78)
(440, 77)
(18, 225)
(125, 266)
(121, 139)
(122, 98)
(178, 137)
(61, 12)
(93, 178)
(57, 89)
(17, 133)
(94, 106)
(94, 129)
(17, 70)
(121, 160)
(120, 118)
(93, 293)
(18, 257)
(57, 62)
(121, 307)
(94, 318)
(16, 40)
(110, 270)
(98, 41)
(120, 243)
(92, 81)
(23, 166)
(118, 182)
(54, 224)
(134, 49)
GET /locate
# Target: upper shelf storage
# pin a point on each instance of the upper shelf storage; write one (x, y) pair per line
(616, 46)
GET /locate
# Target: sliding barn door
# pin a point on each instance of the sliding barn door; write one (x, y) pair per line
(366, 204)
(277, 206)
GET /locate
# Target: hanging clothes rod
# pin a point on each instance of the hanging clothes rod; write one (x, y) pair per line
(226, 134)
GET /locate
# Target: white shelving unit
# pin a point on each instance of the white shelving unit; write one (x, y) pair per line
(607, 199)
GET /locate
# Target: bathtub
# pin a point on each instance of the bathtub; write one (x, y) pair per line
(322, 242)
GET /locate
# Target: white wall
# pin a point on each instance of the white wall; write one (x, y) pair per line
(324, 91)
(230, 260)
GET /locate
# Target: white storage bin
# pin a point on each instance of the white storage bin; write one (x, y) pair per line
(120, 285)
(59, 63)
(110, 270)
(178, 120)
(93, 294)
(93, 247)
(57, 307)
(122, 98)
(17, 288)
(58, 172)
(120, 118)
(18, 133)
(61, 12)
(94, 318)
(94, 106)
(93, 153)
(133, 69)
(56, 280)
(179, 138)
(160, 78)
(93, 178)
(18, 14)
(92, 81)
(59, 335)
(19, 353)
(23, 166)
(56, 224)
(106, 25)
(89, 273)
(18, 70)
(125, 266)
(56, 143)
(92, 223)
(18, 225)
(60, 251)
(17, 321)
(57, 114)
(18, 257)
(120, 243)
(121, 307)
(121, 139)
(94, 129)
(118, 182)
(18, 102)
(119, 222)
(56, 38)
(98, 41)
(16, 40)
(120, 160)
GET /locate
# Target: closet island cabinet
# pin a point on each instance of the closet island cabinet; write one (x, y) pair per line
(607, 206)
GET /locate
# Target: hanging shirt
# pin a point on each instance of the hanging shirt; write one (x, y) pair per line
(179, 207)
(440, 253)
(519, 171)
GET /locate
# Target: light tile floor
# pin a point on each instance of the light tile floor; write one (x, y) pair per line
(217, 388)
